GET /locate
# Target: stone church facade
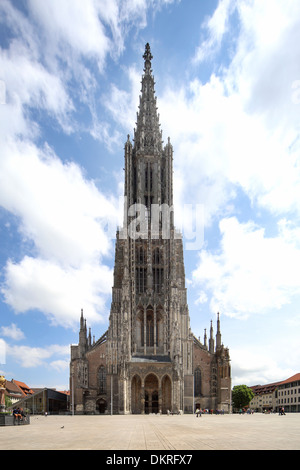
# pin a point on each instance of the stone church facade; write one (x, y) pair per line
(148, 361)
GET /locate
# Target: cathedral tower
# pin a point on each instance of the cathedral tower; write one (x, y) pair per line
(149, 338)
(148, 361)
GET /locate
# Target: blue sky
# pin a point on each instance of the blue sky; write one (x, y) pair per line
(228, 91)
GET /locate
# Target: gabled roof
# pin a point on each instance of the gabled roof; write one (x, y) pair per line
(12, 390)
(23, 387)
(294, 378)
(263, 389)
(269, 388)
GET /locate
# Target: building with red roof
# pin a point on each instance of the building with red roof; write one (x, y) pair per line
(289, 394)
(36, 400)
(273, 396)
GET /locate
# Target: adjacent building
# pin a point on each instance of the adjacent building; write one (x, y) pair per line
(273, 396)
(265, 397)
(36, 400)
(16, 390)
(289, 394)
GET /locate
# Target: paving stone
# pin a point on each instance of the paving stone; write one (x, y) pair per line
(155, 432)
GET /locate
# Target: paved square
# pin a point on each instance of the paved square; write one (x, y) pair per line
(154, 432)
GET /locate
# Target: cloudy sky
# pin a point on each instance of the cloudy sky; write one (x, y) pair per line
(228, 90)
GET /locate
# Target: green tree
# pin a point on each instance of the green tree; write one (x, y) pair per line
(241, 396)
(8, 401)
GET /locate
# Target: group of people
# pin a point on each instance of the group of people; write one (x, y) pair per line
(19, 414)
(199, 412)
(249, 411)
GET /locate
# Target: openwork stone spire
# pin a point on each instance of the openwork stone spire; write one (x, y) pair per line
(147, 57)
(148, 137)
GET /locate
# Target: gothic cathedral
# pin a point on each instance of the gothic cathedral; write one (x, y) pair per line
(148, 361)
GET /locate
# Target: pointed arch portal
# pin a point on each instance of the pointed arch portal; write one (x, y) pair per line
(151, 395)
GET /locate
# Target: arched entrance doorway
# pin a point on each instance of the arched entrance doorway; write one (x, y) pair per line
(151, 394)
(136, 395)
(101, 406)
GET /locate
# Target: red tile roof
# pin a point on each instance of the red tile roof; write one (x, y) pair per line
(294, 378)
(268, 388)
(262, 389)
(12, 390)
(23, 387)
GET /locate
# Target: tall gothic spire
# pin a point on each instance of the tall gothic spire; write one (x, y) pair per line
(148, 137)
(147, 57)
(218, 335)
(211, 339)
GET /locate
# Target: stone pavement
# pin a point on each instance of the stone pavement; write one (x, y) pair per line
(154, 432)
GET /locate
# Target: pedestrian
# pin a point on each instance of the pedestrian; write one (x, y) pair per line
(17, 415)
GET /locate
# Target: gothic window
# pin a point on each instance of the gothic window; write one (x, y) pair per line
(157, 279)
(163, 185)
(142, 331)
(141, 280)
(102, 379)
(157, 270)
(148, 204)
(134, 183)
(214, 381)
(141, 270)
(156, 256)
(151, 180)
(150, 330)
(197, 382)
(140, 255)
(148, 178)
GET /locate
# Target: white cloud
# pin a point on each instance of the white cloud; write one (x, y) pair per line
(12, 331)
(59, 292)
(72, 28)
(251, 273)
(57, 45)
(34, 357)
(216, 27)
(62, 212)
(220, 147)
(60, 365)
(69, 224)
(90, 30)
(2, 352)
(251, 367)
(121, 104)
(65, 216)
(29, 84)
